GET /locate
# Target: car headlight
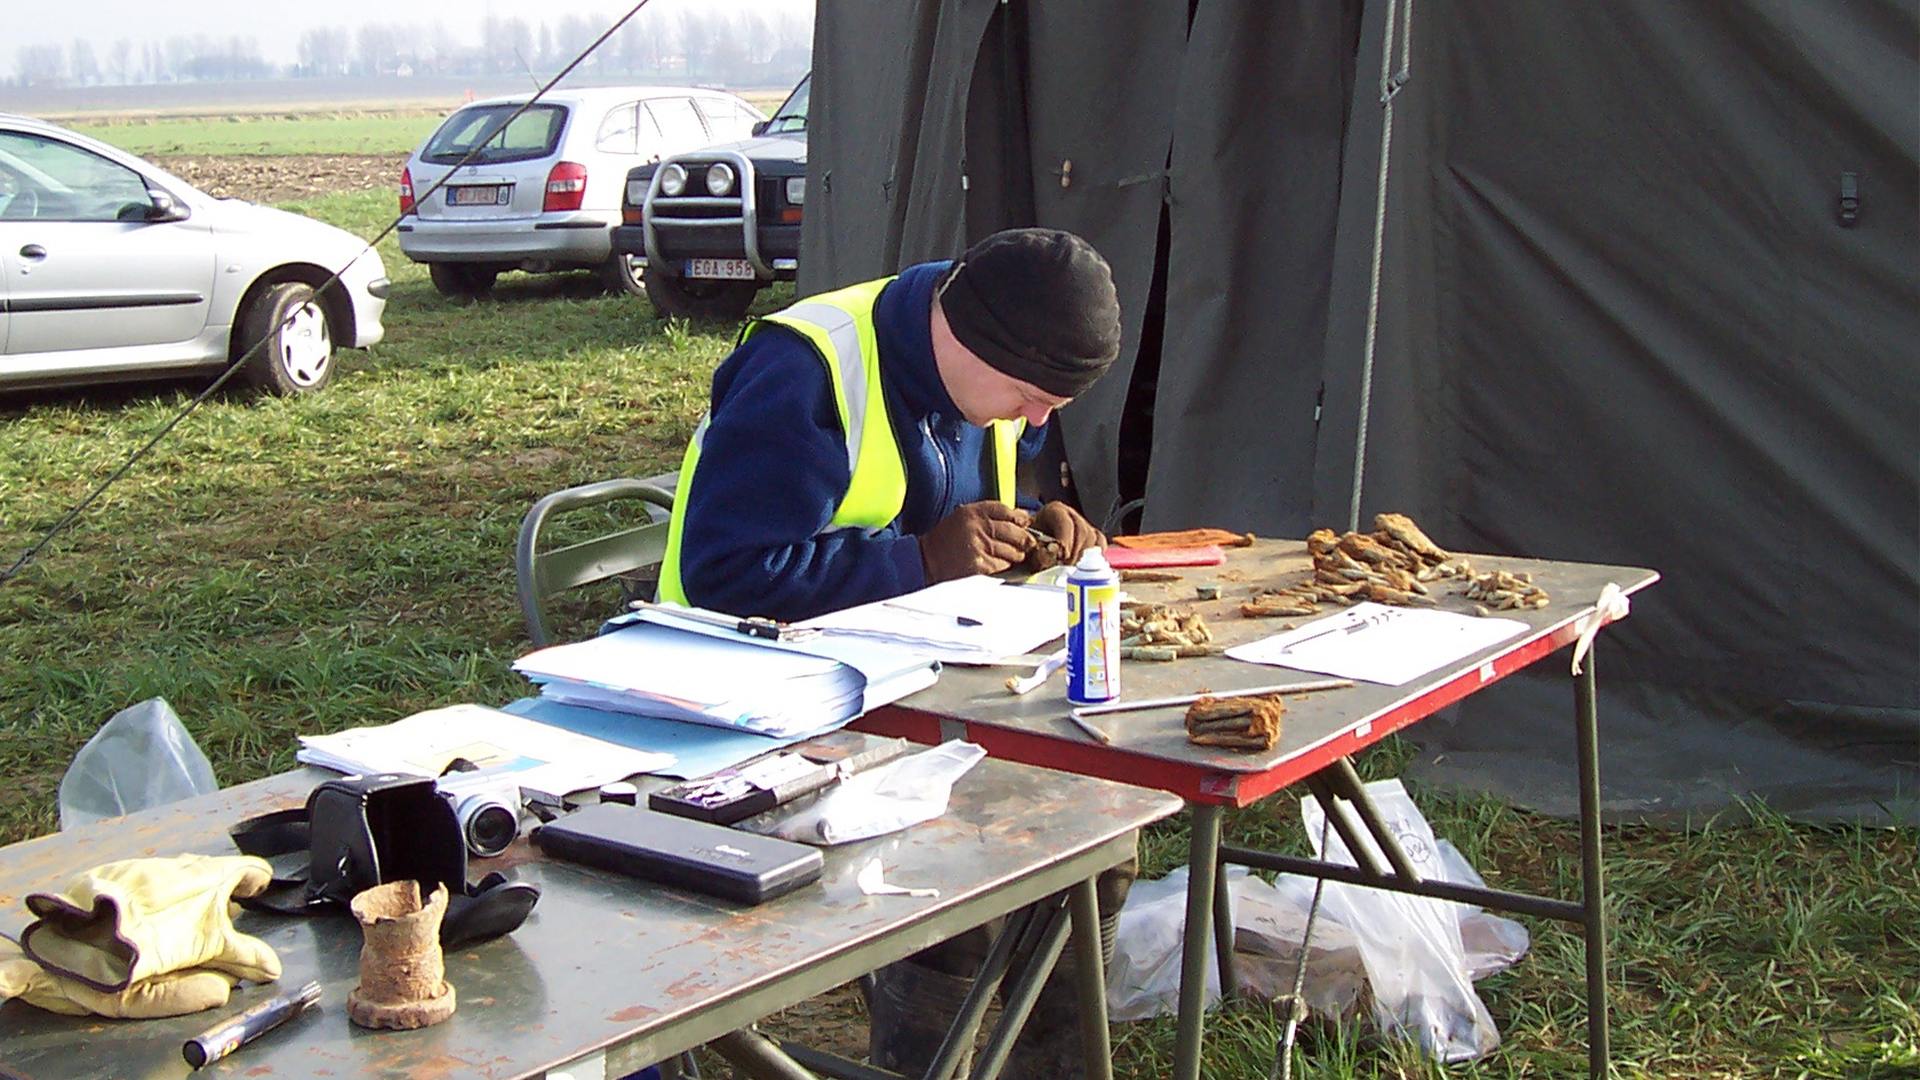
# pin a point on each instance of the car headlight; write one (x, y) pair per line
(797, 190)
(719, 179)
(673, 181)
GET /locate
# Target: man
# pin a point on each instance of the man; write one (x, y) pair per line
(861, 443)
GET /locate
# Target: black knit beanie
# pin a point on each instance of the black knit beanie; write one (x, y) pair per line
(1036, 304)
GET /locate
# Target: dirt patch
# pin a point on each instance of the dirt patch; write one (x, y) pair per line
(286, 178)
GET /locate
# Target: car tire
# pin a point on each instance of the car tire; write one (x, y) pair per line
(295, 353)
(623, 275)
(462, 281)
(697, 298)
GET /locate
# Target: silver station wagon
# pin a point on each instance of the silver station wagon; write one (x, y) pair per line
(111, 269)
(540, 188)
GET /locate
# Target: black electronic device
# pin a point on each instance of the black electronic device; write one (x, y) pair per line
(678, 851)
(776, 779)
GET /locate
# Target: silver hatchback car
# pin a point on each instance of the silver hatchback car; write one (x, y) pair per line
(542, 190)
(111, 269)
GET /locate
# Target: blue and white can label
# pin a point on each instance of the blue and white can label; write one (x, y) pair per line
(1093, 631)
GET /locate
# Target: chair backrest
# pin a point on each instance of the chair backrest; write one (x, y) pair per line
(541, 575)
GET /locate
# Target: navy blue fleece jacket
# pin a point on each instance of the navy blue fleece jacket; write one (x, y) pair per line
(773, 468)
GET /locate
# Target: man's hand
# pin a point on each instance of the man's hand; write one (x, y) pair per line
(977, 538)
(1075, 533)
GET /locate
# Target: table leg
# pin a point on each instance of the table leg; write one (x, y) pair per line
(1586, 719)
(1203, 861)
(1223, 932)
(1090, 973)
(758, 1057)
(1026, 990)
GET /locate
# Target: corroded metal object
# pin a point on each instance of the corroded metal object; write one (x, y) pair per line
(403, 976)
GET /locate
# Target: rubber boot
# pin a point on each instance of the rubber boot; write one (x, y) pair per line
(911, 1006)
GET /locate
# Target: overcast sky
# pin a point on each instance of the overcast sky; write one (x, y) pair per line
(276, 25)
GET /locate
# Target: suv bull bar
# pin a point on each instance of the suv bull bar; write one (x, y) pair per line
(744, 214)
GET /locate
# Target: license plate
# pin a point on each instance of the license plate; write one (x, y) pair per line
(730, 269)
(480, 195)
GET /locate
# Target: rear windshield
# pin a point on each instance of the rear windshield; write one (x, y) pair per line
(792, 116)
(533, 134)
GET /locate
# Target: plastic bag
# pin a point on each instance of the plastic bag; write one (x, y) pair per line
(141, 758)
(1411, 945)
(1143, 978)
(1269, 923)
(903, 792)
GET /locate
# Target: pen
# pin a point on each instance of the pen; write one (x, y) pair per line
(224, 1038)
(959, 620)
(760, 628)
(1349, 628)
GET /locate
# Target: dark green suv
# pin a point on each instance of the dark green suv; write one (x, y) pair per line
(715, 226)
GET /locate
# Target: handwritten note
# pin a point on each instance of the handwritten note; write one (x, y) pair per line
(1379, 644)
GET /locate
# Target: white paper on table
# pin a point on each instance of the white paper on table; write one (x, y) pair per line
(1380, 644)
(543, 758)
(971, 620)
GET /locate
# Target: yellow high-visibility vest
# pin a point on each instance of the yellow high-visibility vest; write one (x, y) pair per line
(839, 326)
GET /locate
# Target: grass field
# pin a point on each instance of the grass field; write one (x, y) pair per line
(370, 132)
(343, 131)
(278, 567)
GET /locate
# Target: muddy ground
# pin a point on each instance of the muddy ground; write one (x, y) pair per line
(275, 179)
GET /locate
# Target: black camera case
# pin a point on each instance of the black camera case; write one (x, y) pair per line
(360, 831)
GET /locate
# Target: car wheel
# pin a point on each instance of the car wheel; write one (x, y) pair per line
(698, 298)
(294, 354)
(622, 275)
(462, 281)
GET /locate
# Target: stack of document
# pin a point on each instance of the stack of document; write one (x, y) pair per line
(974, 620)
(661, 666)
(542, 758)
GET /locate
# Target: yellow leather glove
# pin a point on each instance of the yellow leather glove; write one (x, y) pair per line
(125, 922)
(173, 994)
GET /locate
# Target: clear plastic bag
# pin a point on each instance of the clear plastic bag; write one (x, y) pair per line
(888, 798)
(1269, 920)
(1415, 958)
(141, 758)
(1143, 978)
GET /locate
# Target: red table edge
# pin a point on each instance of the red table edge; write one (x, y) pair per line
(1199, 783)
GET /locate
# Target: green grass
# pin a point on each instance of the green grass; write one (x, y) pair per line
(345, 132)
(279, 567)
(337, 131)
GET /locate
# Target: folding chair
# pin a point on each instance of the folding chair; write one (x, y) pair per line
(542, 575)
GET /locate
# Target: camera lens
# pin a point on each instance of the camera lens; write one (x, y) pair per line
(488, 824)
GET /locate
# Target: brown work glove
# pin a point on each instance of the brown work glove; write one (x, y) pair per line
(977, 538)
(1075, 533)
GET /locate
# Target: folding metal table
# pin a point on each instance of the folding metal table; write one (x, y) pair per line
(610, 973)
(1320, 733)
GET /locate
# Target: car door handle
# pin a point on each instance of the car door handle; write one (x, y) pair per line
(33, 251)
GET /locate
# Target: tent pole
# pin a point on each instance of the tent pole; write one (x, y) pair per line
(1399, 29)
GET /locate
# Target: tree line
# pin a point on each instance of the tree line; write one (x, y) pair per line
(710, 46)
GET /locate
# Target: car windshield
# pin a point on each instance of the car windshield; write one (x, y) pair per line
(533, 134)
(792, 116)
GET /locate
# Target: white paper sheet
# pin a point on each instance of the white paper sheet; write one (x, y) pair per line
(546, 759)
(973, 620)
(1380, 644)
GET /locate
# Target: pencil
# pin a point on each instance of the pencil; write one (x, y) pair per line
(1087, 726)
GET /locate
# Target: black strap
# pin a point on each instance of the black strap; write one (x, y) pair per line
(486, 909)
(282, 838)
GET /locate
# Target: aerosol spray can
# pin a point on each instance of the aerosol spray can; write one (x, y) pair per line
(1093, 630)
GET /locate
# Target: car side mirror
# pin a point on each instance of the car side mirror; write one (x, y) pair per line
(760, 127)
(164, 207)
